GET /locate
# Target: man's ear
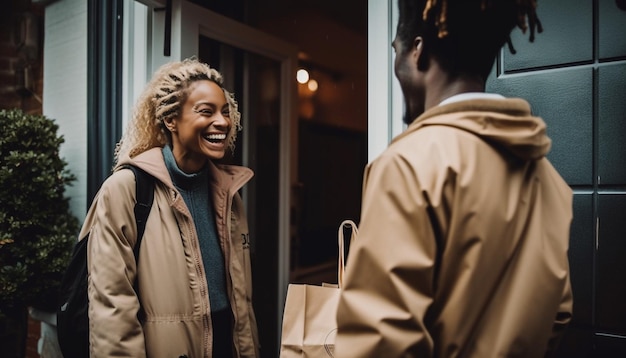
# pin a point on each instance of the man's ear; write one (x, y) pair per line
(420, 54)
(418, 43)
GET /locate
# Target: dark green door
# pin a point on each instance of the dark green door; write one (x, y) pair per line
(574, 76)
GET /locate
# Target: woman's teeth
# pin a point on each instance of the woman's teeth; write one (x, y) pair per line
(215, 137)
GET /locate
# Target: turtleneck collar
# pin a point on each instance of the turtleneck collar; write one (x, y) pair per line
(181, 179)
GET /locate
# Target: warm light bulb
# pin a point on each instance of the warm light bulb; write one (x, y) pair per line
(302, 76)
(312, 85)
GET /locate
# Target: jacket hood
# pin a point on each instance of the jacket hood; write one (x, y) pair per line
(228, 177)
(507, 123)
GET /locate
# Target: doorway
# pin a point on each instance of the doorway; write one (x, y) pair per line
(286, 216)
(258, 69)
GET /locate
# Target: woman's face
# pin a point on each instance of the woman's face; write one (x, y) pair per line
(201, 131)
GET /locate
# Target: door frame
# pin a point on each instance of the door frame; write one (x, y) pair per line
(190, 21)
(385, 99)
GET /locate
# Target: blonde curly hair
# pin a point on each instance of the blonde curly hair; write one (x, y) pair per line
(162, 100)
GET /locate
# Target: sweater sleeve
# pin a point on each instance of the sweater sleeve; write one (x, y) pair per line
(388, 286)
(115, 330)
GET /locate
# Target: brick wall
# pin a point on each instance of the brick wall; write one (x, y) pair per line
(13, 95)
(13, 59)
(34, 332)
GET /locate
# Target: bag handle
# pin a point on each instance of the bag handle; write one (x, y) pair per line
(341, 265)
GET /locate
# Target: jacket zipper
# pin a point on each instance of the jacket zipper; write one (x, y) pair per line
(228, 259)
(203, 289)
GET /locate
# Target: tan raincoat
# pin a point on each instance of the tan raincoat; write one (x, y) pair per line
(463, 240)
(175, 318)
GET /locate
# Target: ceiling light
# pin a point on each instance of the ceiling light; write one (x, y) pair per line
(312, 85)
(302, 75)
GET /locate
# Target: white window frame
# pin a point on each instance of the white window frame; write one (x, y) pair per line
(136, 54)
(385, 100)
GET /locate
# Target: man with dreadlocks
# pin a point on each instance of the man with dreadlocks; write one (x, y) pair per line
(464, 232)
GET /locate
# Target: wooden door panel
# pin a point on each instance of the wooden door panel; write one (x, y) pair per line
(567, 37)
(612, 124)
(563, 98)
(612, 27)
(611, 265)
(578, 339)
(581, 251)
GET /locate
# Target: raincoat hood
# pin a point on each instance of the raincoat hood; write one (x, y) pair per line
(507, 123)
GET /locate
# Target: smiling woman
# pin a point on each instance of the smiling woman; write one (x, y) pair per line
(162, 101)
(199, 133)
(191, 280)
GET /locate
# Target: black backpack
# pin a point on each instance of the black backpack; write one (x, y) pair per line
(73, 307)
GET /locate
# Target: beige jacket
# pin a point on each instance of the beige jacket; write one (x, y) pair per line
(463, 240)
(173, 295)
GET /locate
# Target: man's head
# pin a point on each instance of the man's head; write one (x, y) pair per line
(462, 36)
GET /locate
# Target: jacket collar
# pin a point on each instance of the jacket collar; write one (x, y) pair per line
(230, 178)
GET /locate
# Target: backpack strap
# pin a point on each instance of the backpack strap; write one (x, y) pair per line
(144, 187)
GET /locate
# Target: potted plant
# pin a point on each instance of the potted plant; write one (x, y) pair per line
(37, 229)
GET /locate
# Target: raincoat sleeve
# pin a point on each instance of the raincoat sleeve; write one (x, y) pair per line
(562, 319)
(388, 286)
(115, 330)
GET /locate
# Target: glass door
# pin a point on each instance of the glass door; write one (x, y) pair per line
(255, 80)
(260, 70)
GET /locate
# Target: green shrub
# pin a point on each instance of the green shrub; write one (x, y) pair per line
(37, 229)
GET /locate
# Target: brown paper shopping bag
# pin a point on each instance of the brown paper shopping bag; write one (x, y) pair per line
(309, 323)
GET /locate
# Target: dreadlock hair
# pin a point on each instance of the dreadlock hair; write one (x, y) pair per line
(464, 36)
(162, 100)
